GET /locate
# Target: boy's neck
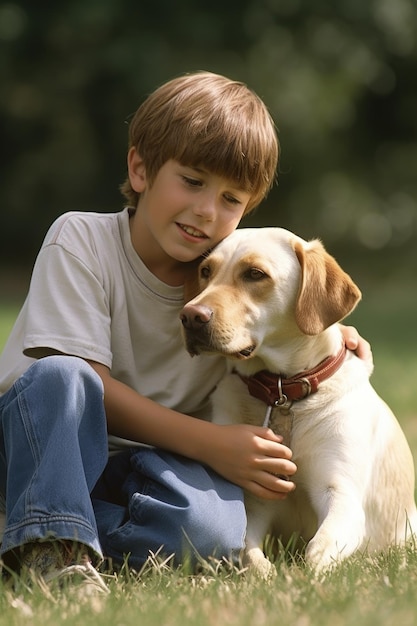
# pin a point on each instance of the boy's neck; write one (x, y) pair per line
(176, 275)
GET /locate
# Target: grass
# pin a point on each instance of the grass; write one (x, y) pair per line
(7, 318)
(363, 591)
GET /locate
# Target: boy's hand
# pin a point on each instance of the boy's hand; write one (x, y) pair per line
(356, 343)
(253, 458)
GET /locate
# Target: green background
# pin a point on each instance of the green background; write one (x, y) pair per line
(339, 77)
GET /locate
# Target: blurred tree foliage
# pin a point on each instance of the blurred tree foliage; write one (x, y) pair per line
(339, 77)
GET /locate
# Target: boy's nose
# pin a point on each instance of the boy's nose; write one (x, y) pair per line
(206, 209)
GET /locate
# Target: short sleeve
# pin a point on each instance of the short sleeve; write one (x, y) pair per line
(67, 307)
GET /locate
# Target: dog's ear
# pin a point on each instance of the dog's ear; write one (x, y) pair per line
(327, 294)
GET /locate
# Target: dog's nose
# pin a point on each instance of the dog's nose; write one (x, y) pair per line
(195, 315)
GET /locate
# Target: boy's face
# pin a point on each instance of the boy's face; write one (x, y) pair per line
(185, 212)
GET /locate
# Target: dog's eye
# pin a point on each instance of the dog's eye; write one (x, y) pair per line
(205, 272)
(254, 274)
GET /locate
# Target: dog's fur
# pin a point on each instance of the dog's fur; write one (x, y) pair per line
(270, 300)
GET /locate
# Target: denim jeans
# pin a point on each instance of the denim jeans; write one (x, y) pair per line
(58, 482)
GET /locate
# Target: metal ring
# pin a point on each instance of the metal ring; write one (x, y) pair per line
(282, 399)
(307, 382)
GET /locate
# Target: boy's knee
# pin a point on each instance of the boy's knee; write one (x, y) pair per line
(63, 370)
(65, 387)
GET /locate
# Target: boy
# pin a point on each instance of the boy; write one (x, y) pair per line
(101, 321)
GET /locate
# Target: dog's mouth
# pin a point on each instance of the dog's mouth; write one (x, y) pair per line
(242, 355)
(195, 348)
(246, 353)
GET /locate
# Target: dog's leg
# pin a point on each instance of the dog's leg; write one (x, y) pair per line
(341, 528)
(259, 515)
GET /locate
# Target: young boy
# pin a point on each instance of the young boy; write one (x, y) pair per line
(96, 355)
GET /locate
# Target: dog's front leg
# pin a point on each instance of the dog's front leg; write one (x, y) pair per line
(259, 516)
(341, 528)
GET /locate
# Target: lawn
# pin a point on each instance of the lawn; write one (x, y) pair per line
(364, 591)
(7, 317)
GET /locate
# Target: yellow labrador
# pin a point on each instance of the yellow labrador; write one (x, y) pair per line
(270, 301)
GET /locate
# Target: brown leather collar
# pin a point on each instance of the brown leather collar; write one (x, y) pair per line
(277, 390)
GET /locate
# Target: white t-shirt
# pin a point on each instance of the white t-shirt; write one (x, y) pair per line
(91, 296)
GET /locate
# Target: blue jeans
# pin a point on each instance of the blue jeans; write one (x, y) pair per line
(58, 482)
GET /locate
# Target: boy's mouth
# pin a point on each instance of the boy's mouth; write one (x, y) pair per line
(193, 232)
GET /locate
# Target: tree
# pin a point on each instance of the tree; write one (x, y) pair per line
(337, 76)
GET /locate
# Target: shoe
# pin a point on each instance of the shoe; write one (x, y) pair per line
(91, 581)
(61, 561)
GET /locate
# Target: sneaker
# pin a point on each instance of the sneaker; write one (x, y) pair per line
(89, 578)
(61, 561)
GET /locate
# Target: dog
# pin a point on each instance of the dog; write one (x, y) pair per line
(270, 302)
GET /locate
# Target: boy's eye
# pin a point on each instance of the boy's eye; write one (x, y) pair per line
(232, 199)
(193, 182)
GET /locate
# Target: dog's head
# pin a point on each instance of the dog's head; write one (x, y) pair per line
(265, 285)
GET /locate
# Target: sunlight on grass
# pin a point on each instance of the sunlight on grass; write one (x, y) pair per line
(365, 590)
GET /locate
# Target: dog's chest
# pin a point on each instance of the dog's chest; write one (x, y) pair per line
(232, 404)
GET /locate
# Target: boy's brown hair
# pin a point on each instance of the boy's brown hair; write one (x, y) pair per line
(204, 119)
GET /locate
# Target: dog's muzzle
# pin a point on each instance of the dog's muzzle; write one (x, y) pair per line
(195, 320)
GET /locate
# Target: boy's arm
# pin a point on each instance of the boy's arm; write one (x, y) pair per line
(249, 456)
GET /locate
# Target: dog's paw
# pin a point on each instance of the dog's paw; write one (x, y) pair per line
(322, 559)
(258, 565)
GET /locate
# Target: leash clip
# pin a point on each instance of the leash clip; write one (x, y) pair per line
(282, 398)
(283, 403)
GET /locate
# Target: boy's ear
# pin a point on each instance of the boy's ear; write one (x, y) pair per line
(137, 170)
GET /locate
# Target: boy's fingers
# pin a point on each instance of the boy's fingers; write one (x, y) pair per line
(271, 488)
(278, 467)
(272, 446)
